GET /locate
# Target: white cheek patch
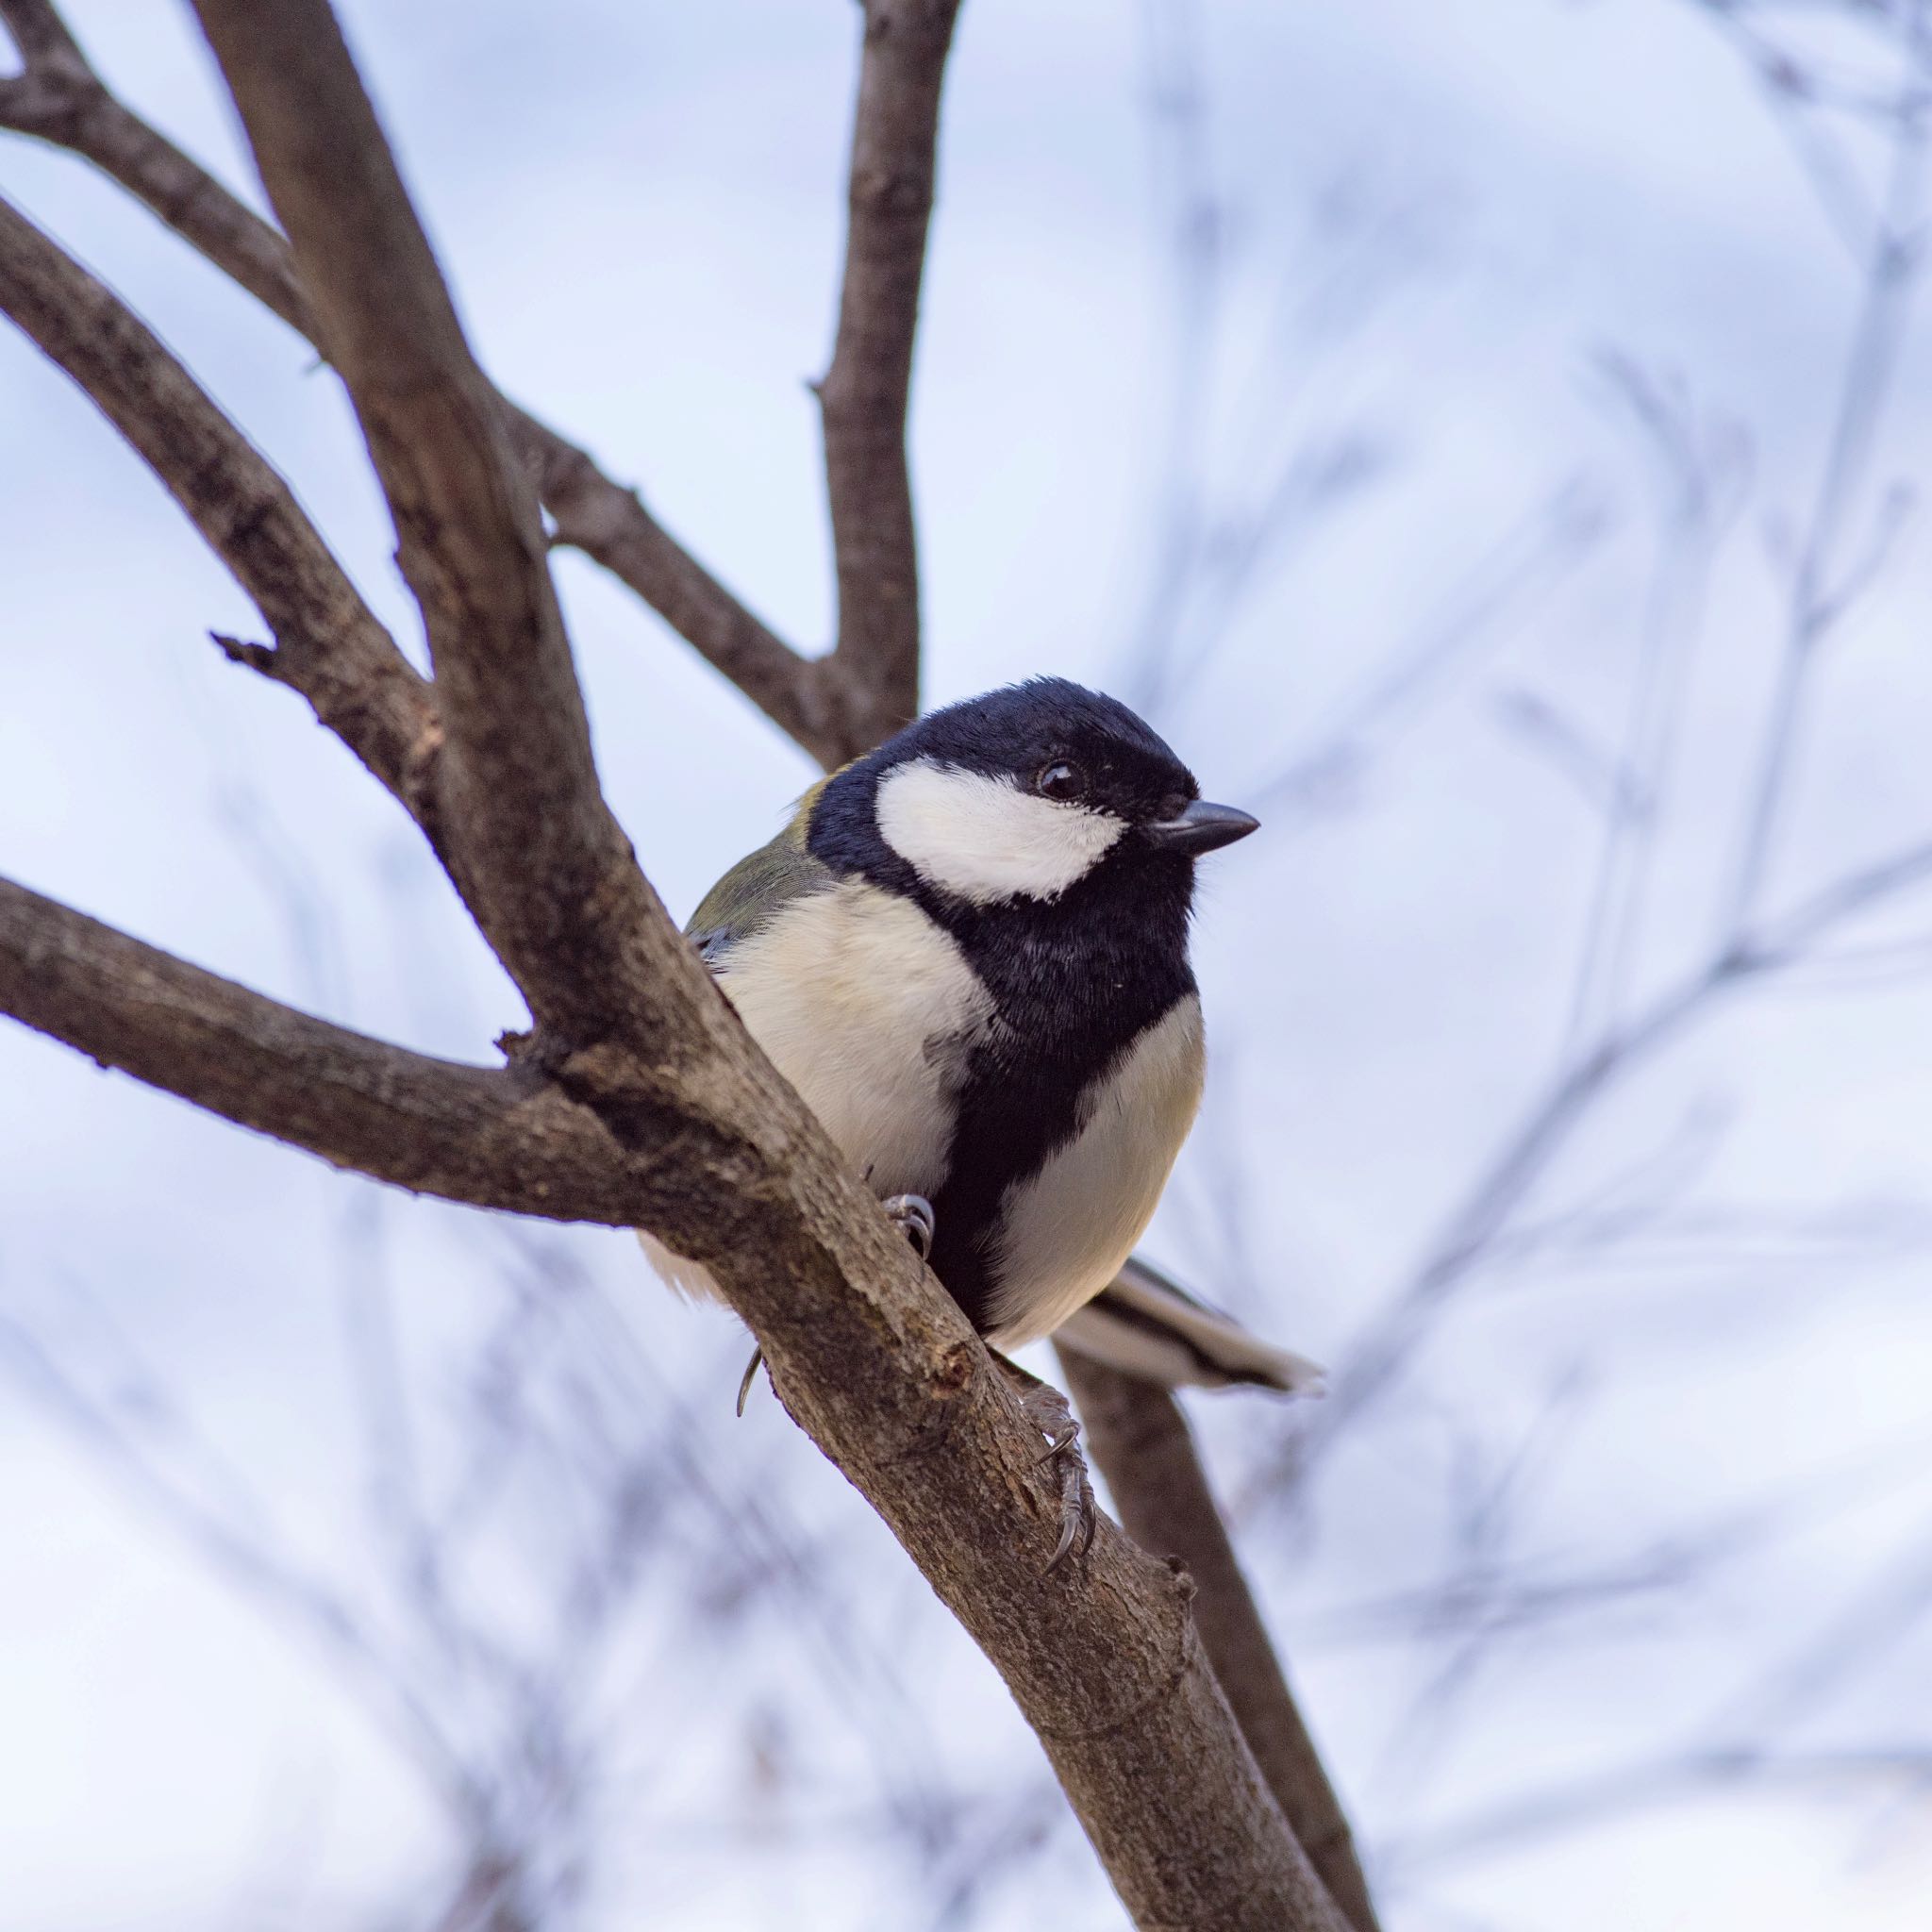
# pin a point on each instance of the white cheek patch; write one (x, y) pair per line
(983, 839)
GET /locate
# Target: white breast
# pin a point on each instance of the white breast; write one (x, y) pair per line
(867, 1009)
(1068, 1229)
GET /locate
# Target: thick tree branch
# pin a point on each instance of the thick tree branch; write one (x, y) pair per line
(874, 1363)
(58, 98)
(864, 395)
(328, 644)
(540, 860)
(1136, 1434)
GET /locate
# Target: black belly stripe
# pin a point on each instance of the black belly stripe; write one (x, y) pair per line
(1067, 1012)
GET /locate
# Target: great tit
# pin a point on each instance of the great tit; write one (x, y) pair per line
(968, 952)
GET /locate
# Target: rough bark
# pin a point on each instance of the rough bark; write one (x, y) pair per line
(540, 861)
(1138, 1435)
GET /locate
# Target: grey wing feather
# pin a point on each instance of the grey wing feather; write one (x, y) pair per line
(752, 894)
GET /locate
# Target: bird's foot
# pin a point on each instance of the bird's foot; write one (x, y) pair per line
(911, 1214)
(1049, 1412)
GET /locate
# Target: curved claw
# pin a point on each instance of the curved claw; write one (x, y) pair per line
(1048, 1411)
(1079, 1511)
(911, 1214)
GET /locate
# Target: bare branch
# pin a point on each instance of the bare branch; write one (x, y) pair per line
(1703, 471)
(542, 863)
(694, 1137)
(894, 141)
(1594, 1800)
(876, 1365)
(257, 1562)
(49, 55)
(329, 645)
(1856, 892)
(1471, 1236)
(497, 1139)
(58, 98)
(1141, 1443)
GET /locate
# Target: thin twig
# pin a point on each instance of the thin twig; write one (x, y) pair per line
(1699, 496)
(266, 1571)
(1649, 1783)
(1469, 1240)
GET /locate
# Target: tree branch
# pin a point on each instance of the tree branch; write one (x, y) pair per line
(864, 395)
(493, 1139)
(874, 1362)
(329, 645)
(58, 98)
(1138, 1435)
(540, 860)
(703, 1146)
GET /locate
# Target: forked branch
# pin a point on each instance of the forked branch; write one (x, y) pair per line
(872, 1359)
(646, 1105)
(540, 858)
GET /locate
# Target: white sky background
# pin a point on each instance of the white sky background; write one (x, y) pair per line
(1438, 221)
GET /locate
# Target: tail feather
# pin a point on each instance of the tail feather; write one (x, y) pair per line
(1145, 1325)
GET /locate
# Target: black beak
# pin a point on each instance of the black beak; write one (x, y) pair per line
(1203, 827)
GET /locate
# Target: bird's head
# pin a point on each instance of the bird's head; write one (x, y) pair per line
(1021, 795)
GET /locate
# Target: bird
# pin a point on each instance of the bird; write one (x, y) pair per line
(967, 951)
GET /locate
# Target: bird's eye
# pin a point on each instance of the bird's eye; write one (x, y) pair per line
(1064, 782)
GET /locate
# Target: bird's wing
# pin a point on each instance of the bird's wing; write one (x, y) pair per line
(752, 892)
(1144, 1325)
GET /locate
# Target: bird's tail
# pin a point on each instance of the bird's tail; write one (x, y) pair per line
(1144, 1325)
